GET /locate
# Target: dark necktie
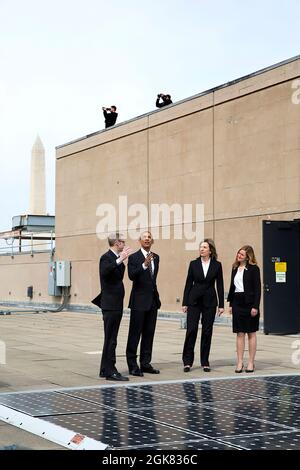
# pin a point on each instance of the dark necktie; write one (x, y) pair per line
(151, 269)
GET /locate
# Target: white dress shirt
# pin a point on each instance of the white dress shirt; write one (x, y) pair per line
(146, 253)
(238, 281)
(205, 266)
(118, 261)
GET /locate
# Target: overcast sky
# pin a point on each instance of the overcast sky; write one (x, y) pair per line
(61, 60)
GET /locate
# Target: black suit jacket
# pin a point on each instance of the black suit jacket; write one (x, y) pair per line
(197, 286)
(165, 102)
(144, 289)
(110, 118)
(111, 281)
(252, 285)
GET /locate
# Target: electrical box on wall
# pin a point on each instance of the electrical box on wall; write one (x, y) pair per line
(52, 287)
(63, 273)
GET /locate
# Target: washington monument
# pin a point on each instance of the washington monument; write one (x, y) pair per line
(37, 204)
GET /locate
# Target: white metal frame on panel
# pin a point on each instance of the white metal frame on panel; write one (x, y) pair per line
(51, 432)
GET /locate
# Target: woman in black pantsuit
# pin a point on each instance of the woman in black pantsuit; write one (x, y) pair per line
(200, 299)
(244, 297)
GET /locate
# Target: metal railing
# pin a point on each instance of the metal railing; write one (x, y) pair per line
(28, 243)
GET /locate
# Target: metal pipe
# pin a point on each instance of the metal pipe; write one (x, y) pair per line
(63, 305)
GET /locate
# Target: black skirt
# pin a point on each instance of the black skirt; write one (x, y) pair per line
(242, 321)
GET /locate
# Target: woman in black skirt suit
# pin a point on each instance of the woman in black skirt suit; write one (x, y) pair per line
(244, 297)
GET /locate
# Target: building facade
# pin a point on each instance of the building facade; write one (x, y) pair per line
(233, 150)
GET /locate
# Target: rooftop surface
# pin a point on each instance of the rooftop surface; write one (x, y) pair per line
(50, 351)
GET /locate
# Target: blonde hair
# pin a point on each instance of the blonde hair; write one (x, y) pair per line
(250, 256)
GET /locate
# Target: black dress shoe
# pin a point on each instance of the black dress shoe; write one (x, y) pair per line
(117, 376)
(103, 374)
(150, 370)
(187, 369)
(136, 371)
(206, 369)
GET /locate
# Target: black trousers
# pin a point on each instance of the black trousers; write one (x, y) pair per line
(111, 320)
(141, 327)
(207, 321)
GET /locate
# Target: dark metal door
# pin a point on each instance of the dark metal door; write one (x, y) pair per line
(281, 275)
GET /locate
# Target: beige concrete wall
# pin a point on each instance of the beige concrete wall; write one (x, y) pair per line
(256, 154)
(22, 271)
(236, 150)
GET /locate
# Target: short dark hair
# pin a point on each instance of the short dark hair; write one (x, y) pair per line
(115, 107)
(145, 231)
(114, 237)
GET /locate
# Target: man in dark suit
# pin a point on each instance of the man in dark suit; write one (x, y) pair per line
(110, 300)
(144, 303)
(166, 100)
(110, 115)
